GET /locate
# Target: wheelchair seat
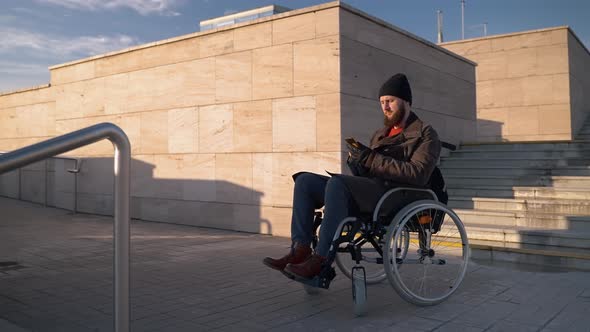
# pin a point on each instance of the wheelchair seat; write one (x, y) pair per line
(394, 200)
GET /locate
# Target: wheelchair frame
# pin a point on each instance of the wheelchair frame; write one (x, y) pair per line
(357, 231)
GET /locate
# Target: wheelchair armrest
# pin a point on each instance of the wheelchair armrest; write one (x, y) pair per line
(400, 189)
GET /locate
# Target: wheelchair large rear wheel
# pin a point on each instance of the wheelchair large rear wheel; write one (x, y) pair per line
(437, 253)
(372, 260)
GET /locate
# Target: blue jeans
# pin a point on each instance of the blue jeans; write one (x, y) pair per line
(312, 191)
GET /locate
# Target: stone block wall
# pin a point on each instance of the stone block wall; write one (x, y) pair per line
(523, 84)
(220, 120)
(579, 81)
(443, 84)
(27, 117)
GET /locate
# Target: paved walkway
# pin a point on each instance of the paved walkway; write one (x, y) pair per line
(193, 279)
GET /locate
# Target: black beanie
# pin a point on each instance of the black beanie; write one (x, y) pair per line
(397, 86)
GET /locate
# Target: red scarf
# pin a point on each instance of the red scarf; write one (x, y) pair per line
(395, 131)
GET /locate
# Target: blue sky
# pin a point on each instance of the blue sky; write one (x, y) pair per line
(35, 34)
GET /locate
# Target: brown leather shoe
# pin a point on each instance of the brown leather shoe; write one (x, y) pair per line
(298, 254)
(308, 269)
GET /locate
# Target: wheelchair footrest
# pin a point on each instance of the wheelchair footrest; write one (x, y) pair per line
(320, 281)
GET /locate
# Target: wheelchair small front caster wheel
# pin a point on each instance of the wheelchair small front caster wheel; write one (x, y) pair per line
(359, 291)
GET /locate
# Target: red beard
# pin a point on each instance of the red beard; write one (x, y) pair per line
(397, 117)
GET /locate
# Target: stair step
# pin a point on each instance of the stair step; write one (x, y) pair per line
(520, 192)
(450, 162)
(463, 170)
(526, 146)
(524, 180)
(549, 239)
(524, 202)
(530, 220)
(570, 208)
(485, 217)
(485, 203)
(496, 251)
(520, 154)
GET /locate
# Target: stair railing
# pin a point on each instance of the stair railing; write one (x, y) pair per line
(61, 144)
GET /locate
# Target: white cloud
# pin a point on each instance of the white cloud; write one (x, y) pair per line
(144, 7)
(25, 56)
(8, 19)
(97, 45)
(18, 68)
(60, 46)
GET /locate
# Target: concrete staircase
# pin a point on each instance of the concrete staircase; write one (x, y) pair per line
(524, 202)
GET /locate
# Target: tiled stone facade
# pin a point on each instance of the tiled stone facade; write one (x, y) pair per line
(528, 84)
(220, 120)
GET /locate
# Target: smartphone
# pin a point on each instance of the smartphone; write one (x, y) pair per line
(352, 142)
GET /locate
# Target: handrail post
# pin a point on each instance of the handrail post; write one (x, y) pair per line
(121, 230)
(20, 190)
(75, 192)
(46, 182)
(121, 238)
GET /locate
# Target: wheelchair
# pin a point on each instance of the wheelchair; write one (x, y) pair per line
(410, 238)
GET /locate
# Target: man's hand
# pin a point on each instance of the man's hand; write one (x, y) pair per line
(358, 152)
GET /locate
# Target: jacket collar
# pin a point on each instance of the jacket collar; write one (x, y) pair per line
(413, 126)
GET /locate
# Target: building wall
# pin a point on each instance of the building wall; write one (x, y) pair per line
(443, 84)
(523, 84)
(579, 65)
(26, 117)
(220, 120)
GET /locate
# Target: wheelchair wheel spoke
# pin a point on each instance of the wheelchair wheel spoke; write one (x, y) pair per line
(421, 288)
(436, 253)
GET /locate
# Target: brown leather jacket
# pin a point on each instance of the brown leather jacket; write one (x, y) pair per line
(409, 157)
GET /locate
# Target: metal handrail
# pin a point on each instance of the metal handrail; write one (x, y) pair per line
(77, 139)
(75, 171)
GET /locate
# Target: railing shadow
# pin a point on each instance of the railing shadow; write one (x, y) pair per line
(172, 197)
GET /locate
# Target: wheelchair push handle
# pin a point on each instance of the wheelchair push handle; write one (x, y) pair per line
(448, 145)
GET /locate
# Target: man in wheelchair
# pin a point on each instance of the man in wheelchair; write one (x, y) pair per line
(402, 153)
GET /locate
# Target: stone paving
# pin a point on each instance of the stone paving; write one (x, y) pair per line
(194, 279)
